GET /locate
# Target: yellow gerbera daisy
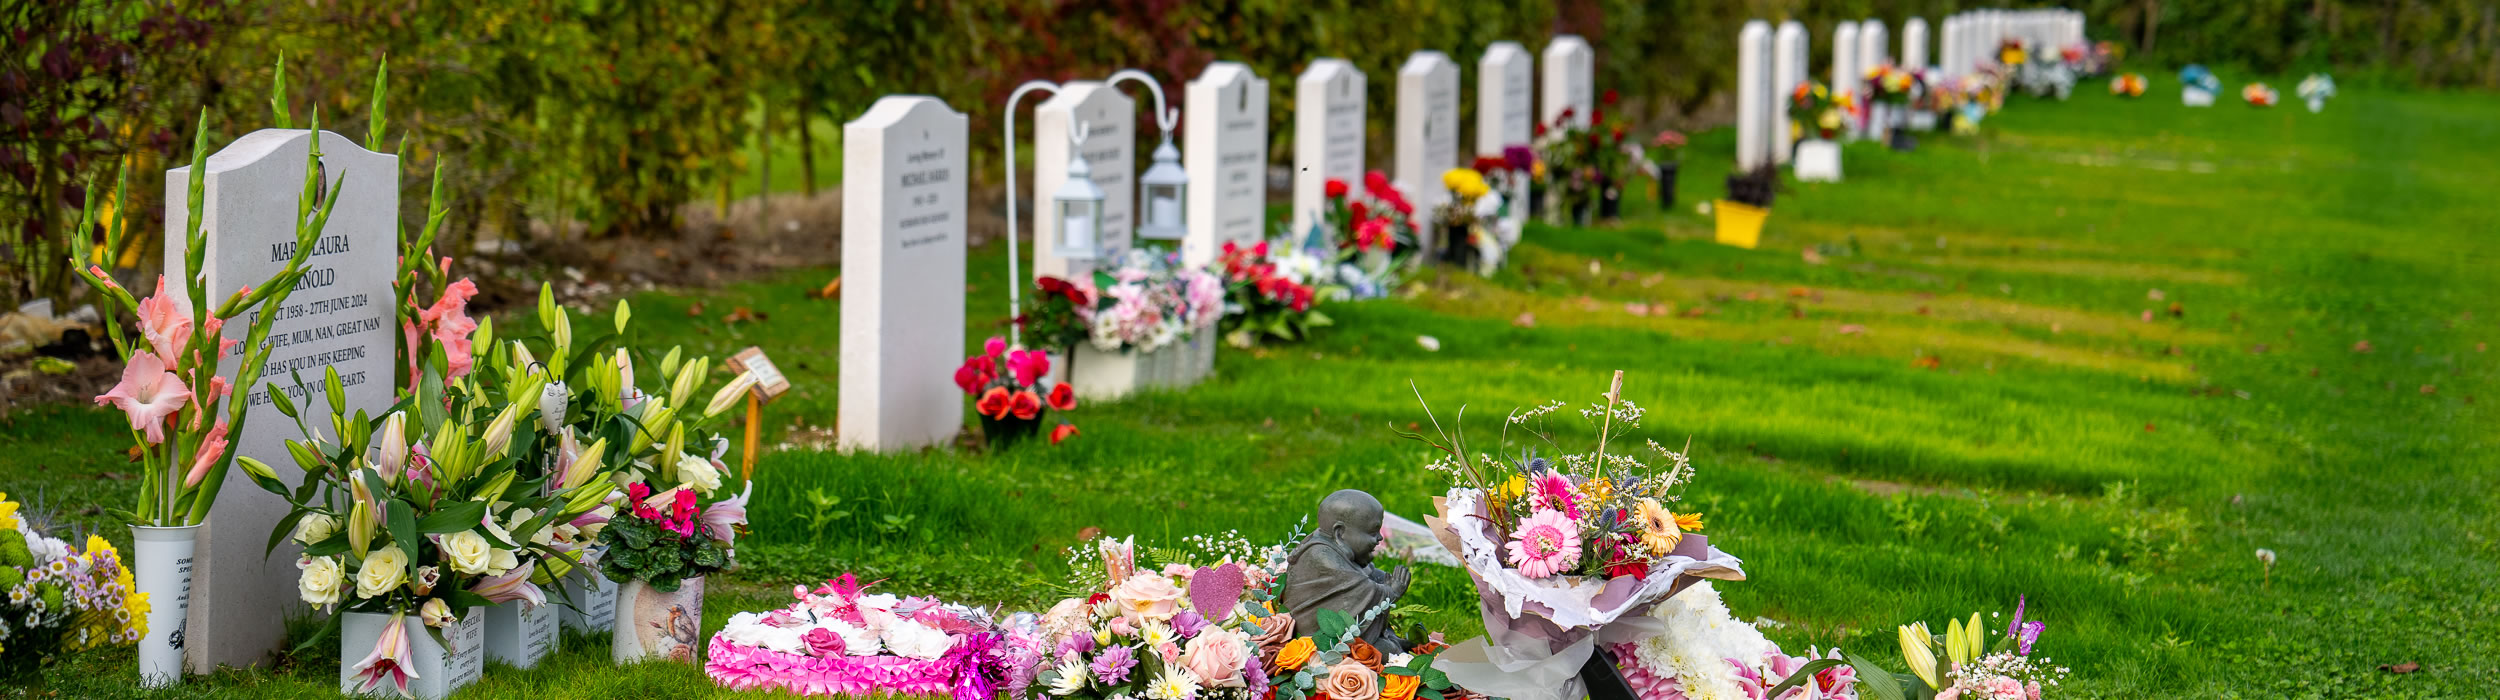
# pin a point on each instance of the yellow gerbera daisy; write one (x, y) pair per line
(1657, 527)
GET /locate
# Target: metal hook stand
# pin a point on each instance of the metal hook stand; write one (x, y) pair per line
(1015, 272)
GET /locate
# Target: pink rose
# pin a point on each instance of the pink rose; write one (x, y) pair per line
(1178, 572)
(822, 642)
(1216, 657)
(1170, 652)
(2004, 688)
(1147, 597)
(2031, 691)
(1351, 680)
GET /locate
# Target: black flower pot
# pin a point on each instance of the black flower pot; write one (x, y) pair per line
(1004, 433)
(1580, 212)
(1902, 140)
(1609, 202)
(1536, 198)
(1666, 185)
(1454, 247)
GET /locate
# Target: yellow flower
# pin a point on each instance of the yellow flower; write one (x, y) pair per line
(1295, 654)
(1914, 652)
(1658, 529)
(8, 512)
(1511, 490)
(1688, 522)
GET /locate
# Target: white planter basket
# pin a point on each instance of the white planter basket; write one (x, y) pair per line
(2196, 97)
(653, 625)
(436, 668)
(1818, 161)
(1110, 376)
(520, 633)
(161, 565)
(594, 601)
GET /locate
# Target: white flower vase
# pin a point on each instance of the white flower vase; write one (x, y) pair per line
(521, 633)
(2317, 104)
(1817, 161)
(594, 601)
(1101, 375)
(652, 624)
(161, 566)
(440, 661)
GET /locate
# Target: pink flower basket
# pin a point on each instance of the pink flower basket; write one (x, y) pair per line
(966, 672)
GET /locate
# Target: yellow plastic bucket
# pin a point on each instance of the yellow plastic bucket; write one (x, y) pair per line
(1740, 224)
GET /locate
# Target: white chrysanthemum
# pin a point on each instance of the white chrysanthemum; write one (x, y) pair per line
(1072, 675)
(1174, 684)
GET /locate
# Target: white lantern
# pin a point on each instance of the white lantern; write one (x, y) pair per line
(1166, 186)
(1078, 205)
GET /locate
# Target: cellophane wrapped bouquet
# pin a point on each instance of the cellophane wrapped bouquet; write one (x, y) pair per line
(1562, 547)
(840, 639)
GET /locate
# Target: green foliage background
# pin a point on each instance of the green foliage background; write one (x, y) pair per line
(605, 116)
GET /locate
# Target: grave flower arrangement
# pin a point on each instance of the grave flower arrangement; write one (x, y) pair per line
(1056, 318)
(1011, 391)
(838, 639)
(1562, 546)
(2315, 89)
(1588, 161)
(170, 389)
(1971, 667)
(1812, 104)
(1704, 651)
(60, 599)
(1889, 84)
(1373, 232)
(1273, 290)
(1473, 233)
(2129, 85)
(2259, 95)
(1145, 302)
(1194, 629)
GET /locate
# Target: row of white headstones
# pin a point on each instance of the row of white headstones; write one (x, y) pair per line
(1770, 64)
(903, 258)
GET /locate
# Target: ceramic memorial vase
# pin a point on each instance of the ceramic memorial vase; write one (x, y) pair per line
(161, 562)
(1666, 184)
(440, 660)
(652, 624)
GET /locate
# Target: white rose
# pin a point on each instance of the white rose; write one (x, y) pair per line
(384, 569)
(697, 473)
(544, 535)
(856, 640)
(917, 641)
(748, 629)
(321, 580)
(315, 527)
(435, 612)
(468, 551)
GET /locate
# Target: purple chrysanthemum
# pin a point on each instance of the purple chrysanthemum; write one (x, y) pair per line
(1113, 665)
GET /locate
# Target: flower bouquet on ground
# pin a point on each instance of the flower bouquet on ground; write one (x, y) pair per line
(1273, 291)
(1509, 173)
(2315, 89)
(2128, 85)
(1664, 156)
(1700, 650)
(1194, 629)
(1561, 547)
(1376, 236)
(1817, 113)
(1974, 669)
(1145, 303)
(1007, 387)
(2198, 86)
(60, 599)
(1587, 161)
(1472, 230)
(2259, 95)
(839, 640)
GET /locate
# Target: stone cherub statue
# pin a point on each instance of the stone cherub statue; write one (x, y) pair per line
(1332, 569)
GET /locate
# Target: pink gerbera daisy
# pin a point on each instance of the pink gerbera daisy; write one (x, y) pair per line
(1545, 544)
(1553, 491)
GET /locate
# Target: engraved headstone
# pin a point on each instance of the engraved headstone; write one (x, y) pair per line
(1427, 133)
(338, 317)
(1914, 44)
(1225, 125)
(903, 261)
(1110, 120)
(1327, 136)
(1505, 109)
(1844, 60)
(1788, 67)
(1570, 80)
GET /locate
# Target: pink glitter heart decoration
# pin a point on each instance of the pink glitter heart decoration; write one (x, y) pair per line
(1215, 592)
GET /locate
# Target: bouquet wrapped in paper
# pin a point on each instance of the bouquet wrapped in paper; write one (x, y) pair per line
(1567, 553)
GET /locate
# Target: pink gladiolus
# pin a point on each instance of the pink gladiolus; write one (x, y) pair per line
(164, 323)
(211, 448)
(513, 585)
(389, 660)
(449, 318)
(721, 521)
(148, 393)
(100, 274)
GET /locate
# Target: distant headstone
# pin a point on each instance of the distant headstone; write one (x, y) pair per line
(1427, 130)
(1753, 96)
(338, 317)
(903, 204)
(1844, 59)
(1914, 44)
(1225, 125)
(1788, 68)
(1505, 96)
(1110, 120)
(1874, 46)
(1951, 63)
(1327, 136)
(1570, 79)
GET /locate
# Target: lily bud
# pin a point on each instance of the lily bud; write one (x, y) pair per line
(586, 498)
(563, 332)
(687, 377)
(1914, 652)
(394, 444)
(521, 356)
(255, 468)
(499, 433)
(624, 372)
(585, 465)
(668, 365)
(668, 454)
(728, 395)
(494, 489)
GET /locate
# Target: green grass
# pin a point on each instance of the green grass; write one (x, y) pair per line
(2118, 471)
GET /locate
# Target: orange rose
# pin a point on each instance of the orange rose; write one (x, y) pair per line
(1349, 680)
(1363, 653)
(1295, 654)
(1400, 687)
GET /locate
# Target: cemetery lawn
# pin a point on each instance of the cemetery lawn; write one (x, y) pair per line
(1977, 394)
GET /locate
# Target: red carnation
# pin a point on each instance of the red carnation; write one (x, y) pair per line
(976, 371)
(994, 403)
(1335, 188)
(1360, 211)
(1540, 131)
(1025, 405)
(1062, 433)
(1377, 184)
(1597, 116)
(1063, 397)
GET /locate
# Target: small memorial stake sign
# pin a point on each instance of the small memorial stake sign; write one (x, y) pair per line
(769, 384)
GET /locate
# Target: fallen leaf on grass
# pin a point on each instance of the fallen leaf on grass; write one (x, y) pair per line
(695, 311)
(1696, 312)
(831, 290)
(1928, 362)
(2177, 311)
(2406, 667)
(2258, 349)
(1753, 295)
(1922, 311)
(2148, 316)
(1588, 303)
(1088, 534)
(2148, 427)
(2154, 294)
(1811, 257)
(2428, 389)
(1525, 319)
(1799, 292)
(743, 314)
(1636, 308)
(2482, 347)
(1851, 329)
(2362, 347)
(1653, 280)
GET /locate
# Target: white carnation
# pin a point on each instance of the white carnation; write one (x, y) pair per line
(917, 641)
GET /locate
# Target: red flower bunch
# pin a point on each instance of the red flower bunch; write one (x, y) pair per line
(1250, 265)
(1336, 189)
(682, 517)
(1012, 392)
(1055, 286)
(1374, 234)
(1377, 185)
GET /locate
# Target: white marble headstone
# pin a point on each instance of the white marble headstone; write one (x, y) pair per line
(1914, 44)
(1505, 110)
(1951, 61)
(903, 204)
(1788, 67)
(1226, 127)
(1110, 120)
(1570, 80)
(1844, 60)
(1327, 136)
(1874, 46)
(339, 316)
(1753, 96)
(1427, 128)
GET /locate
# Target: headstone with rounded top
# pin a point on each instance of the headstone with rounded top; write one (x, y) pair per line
(903, 204)
(1225, 126)
(1327, 136)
